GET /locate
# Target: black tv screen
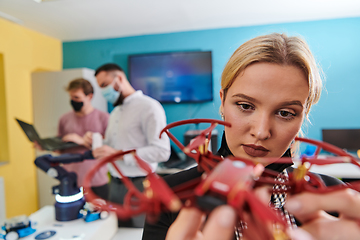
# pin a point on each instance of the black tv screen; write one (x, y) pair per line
(173, 77)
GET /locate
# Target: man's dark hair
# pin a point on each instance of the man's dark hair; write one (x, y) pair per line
(80, 83)
(108, 67)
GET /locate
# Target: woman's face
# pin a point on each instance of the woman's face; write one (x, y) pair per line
(265, 106)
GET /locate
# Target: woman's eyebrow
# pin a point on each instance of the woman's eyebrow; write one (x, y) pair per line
(240, 95)
(287, 103)
(295, 102)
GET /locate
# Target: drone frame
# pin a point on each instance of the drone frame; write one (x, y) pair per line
(158, 196)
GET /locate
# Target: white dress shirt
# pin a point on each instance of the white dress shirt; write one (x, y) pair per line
(136, 124)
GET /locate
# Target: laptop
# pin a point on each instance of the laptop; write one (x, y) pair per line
(50, 144)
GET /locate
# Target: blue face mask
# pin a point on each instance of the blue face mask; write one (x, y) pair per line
(110, 94)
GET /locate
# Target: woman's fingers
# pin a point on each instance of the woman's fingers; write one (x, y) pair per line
(186, 225)
(221, 223)
(299, 234)
(307, 206)
(219, 226)
(333, 229)
(263, 193)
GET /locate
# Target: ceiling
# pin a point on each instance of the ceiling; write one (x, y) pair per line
(70, 20)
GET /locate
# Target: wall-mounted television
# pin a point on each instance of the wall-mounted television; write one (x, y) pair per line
(173, 77)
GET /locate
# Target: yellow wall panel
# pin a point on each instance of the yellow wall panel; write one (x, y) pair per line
(4, 147)
(23, 51)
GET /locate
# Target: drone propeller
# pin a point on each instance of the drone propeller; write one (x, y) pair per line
(134, 202)
(315, 160)
(330, 148)
(142, 164)
(192, 121)
(156, 197)
(325, 160)
(200, 139)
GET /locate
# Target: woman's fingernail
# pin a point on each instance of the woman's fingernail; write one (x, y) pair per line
(293, 205)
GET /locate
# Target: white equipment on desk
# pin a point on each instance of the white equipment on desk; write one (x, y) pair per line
(48, 228)
(97, 140)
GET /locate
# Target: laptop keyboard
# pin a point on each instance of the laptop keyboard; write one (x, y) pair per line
(53, 142)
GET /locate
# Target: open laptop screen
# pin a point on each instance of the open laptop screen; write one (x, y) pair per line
(29, 131)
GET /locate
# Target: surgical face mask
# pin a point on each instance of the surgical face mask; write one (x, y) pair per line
(110, 94)
(76, 105)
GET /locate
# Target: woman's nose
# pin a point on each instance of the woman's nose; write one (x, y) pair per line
(261, 128)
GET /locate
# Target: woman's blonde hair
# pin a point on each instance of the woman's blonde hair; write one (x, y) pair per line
(280, 49)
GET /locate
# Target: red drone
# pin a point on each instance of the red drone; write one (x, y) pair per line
(229, 180)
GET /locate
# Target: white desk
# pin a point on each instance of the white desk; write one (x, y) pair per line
(340, 170)
(103, 229)
(44, 220)
(128, 234)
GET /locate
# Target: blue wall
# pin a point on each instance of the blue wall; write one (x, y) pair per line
(335, 44)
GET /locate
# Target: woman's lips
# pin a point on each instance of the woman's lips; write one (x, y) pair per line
(255, 151)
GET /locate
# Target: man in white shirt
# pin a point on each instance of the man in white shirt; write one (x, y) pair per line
(135, 123)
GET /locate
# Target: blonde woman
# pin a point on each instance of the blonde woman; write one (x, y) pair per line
(267, 89)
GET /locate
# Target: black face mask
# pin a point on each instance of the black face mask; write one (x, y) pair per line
(76, 105)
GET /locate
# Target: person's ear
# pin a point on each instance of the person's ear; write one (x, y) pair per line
(222, 104)
(118, 81)
(121, 76)
(90, 95)
(222, 96)
(118, 76)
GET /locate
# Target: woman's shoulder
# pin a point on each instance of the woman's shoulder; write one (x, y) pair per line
(329, 180)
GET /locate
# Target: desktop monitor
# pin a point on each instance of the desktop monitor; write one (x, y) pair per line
(173, 77)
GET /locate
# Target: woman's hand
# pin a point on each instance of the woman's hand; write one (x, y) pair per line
(309, 209)
(188, 225)
(220, 224)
